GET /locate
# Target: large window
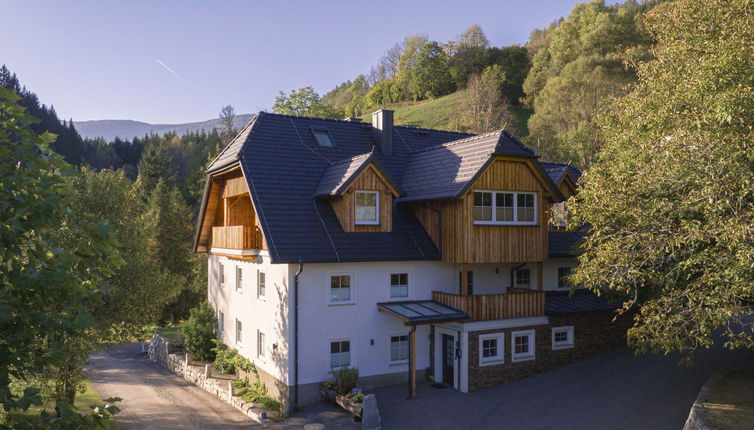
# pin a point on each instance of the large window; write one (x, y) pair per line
(523, 278)
(340, 353)
(398, 349)
(563, 273)
(399, 285)
(522, 345)
(562, 337)
(490, 349)
(239, 332)
(260, 344)
(493, 207)
(239, 279)
(261, 284)
(340, 289)
(367, 207)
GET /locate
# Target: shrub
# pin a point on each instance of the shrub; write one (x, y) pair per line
(199, 331)
(355, 397)
(346, 379)
(225, 358)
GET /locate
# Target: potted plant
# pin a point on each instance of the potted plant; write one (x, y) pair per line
(346, 379)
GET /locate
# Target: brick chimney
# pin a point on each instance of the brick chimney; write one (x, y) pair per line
(382, 125)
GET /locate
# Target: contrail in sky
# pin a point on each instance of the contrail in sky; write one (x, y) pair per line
(172, 72)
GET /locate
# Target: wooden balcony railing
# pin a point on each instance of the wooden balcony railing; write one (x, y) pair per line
(484, 307)
(237, 237)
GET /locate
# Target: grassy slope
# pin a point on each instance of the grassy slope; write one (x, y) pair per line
(440, 113)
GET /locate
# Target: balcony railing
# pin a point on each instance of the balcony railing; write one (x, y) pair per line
(484, 307)
(237, 237)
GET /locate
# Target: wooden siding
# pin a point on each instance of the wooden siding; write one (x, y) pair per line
(234, 187)
(464, 242)
(237, 237)
(485, 307)
(345, 206)
(205, 228)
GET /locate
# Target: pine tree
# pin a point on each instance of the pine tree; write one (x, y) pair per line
(155, 165)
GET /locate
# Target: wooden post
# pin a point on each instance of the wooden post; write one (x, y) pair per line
(539, 275)
(464, 279)
(412, 362)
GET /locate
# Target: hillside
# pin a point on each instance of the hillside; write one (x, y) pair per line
(128, 129)
(440, 113)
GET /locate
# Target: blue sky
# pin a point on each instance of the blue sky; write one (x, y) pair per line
(110, 59)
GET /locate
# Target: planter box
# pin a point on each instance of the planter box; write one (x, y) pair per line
(352, 407)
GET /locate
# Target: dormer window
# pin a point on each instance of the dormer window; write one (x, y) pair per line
(367, 207)
(505, 208)
(323, 138)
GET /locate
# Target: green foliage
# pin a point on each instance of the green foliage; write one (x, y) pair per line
(46, 281)
(579, 66)
(484, 108)
(346, 379)
(154, 166)
(430, 76)
(355, 397)
(305, 102)
(199, 332)
(468, 55)
(670, 202)
(229, 360)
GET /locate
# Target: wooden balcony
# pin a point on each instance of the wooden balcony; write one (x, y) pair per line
(237, 237)
(484, 307)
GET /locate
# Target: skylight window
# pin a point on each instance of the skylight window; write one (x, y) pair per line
(323, 138)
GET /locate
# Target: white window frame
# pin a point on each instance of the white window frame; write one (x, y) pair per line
(239, 279)
(221, 274)
(350, 353)
(408, 286)
(390, 348)
(377, 208)
(500, 357)
(565, 287)
(531, 355)
(563, 345)
(220, 322)
(350, 301)
(261, 338)
(515, 278)
(515, 208)
(239, 333)
(261, 284)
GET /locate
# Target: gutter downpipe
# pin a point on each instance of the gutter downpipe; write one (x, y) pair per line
(295, 334)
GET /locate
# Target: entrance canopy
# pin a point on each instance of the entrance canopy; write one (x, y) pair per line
(418, 312)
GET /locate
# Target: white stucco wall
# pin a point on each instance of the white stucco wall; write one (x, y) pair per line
(550, 272)
(268, 314)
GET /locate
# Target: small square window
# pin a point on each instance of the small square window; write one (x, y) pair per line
(490, 349)
(367, 207)
(323, 138)
(522, 345)
(398, 348)
(340, 289)
(340, 353)
(562, 337)
(239, 279)
(523, 278)
(563, 272)
(399, 285)
(261, 284)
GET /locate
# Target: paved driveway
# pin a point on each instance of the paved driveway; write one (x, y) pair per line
(616, 390)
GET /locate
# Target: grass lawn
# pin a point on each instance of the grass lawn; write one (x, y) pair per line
(730, 400)
(83, 402)
(170, 331)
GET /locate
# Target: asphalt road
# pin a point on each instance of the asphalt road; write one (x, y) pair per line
(612, 391)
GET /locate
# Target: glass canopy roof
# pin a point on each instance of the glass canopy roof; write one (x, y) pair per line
(422, 311)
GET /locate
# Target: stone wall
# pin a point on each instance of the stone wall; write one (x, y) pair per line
(594, 333)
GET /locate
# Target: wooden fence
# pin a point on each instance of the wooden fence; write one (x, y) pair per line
(495, 306)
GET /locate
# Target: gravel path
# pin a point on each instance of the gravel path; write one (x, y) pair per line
(154, 398)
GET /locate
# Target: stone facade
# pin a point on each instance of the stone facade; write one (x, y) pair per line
(594, 333)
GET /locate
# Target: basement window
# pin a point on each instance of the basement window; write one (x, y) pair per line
(491, 349)
(323, 138)
(562, 337)
(522, 345)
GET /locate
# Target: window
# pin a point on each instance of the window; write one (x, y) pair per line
(398, 285)
(398, 349)
(220, 322)
(490, 349)
(323, 138)
(239, 332)
(559, 215)
(260, 344)
(221, 274)
(563, 272)
(261, 289)
(523, 278)
(239, 279)
(509, 208)
(340, 353)
(367, 207)
(522, 345)
(470, 274)
(562, 337)
(340, 289)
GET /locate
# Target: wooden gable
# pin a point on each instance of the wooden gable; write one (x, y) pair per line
(344, 205)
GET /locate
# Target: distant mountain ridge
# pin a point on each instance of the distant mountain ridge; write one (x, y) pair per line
(109, 129)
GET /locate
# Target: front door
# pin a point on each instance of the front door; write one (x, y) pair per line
(448, 359)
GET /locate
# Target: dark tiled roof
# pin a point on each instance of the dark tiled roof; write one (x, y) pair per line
(338, 176)
(562, 302)
(562, 244)
(229, 154)
(558, 171)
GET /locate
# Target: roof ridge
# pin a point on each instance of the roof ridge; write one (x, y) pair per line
(355, 157)
(315, 118)
(413, 127)
(248, 124)
(459, 141)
